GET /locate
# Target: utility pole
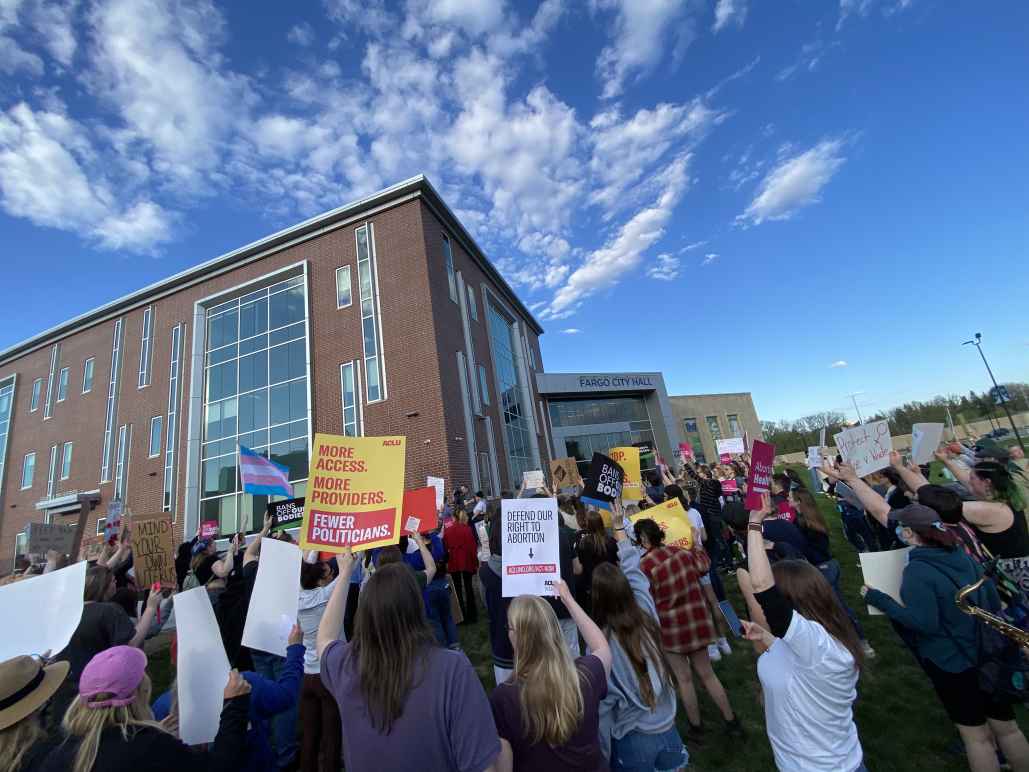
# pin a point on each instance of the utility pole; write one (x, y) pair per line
(977, 342)
(853, 398)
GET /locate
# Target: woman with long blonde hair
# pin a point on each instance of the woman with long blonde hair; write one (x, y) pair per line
(110, 726)
(26, 685)
(548, 711)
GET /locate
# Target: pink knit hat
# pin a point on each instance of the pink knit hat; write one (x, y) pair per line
(117, 671)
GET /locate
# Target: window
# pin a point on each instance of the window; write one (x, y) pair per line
(483, 385)
(112, 405)
(145, 346)
(37, 391)
(87, 376)
(121, 466)
(532, 355)
(173, 415)
(472, 308)
(735, 430)
(66, 460)
(371, 334)
(48, 408)
(255, 394)
(155, 436)
(100, 525)
(689, 425)
(344, 296)
(6, 408)
(51, 479)
(485, 474)
(448, 258)
(349, 391)
(62, 384)
(509, 397)
(21, 544)
(28, 470)
(713, 427)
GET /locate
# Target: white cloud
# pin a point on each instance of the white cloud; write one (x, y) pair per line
(709, 258)
(839, 363)
(694, 245)
(807, 60)
(727, 11)
(14, 58)
(571, 331)
(302, 34)
(642, 28)
(795, 182)
(863, 8)
(665, 269)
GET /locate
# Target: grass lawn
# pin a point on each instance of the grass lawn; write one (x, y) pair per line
(900, 722)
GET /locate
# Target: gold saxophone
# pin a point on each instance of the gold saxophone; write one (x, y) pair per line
(997, 623)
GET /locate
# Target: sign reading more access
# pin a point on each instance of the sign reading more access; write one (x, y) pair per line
(531, 554)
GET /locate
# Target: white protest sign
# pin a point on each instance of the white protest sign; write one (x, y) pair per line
(41, 614)
(273, 603)
(925, 438)
(884, 571)
(202, 669)
(814, 457)
(533, 480)
(733, 445)
(437, 483)
(531, 552)
(866, 447)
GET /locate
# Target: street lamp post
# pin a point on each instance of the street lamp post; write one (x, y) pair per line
(977, 342)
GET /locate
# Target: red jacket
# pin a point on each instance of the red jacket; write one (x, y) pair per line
(462, 549)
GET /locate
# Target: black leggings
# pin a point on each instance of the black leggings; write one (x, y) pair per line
(465, 595)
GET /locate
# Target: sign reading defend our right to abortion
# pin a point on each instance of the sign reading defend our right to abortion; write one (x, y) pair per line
(531, 555)
(355, 493)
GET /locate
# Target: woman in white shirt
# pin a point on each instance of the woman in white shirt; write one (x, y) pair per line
(318, 710)
(810, 669)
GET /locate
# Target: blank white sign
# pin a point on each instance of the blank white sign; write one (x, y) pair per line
(203, 668)
(276, 596)
(41, 614)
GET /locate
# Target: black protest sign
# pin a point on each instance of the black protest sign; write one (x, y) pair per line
(605, 479)
(286, 514)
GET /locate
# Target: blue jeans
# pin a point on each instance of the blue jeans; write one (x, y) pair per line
(284, 725)
(831, 572)
(639, 752)
(857, 530)
(437, 606)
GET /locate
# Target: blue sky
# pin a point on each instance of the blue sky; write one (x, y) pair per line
(738, 194)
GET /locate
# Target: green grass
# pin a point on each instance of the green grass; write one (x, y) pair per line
(900, 722)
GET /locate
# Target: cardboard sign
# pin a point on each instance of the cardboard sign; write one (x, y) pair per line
(605, 480)
(202, 668)
(42, 612)
(884, 571)
(629, 459)
(533, 480)
(209, 529)
(762, 462)
(814, 457)
(274, 601)
(420, 506)
(50, 536)
(288, 513)
(674, 521)
(729, 486)
(438, 483)
(565, 473)
(92, 548)
(153, 550)
(531, 553)
(355, 493)
(730, 446)
(925, 439)
(686, 451)
(866, 447)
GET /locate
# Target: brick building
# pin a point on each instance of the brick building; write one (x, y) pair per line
(380, 317)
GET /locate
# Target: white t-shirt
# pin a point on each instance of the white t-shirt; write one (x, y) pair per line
(696, 521)
(480, 507)
(810, 684)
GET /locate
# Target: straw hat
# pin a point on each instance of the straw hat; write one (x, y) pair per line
(25, 686)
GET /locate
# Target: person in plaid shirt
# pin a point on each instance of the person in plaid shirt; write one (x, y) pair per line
(686, 623)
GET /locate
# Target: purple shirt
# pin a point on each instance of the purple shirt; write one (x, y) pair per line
(446, 724)
(582, 751)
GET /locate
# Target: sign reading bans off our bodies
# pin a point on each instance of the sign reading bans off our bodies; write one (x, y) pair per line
(531, 553)
(355, 493)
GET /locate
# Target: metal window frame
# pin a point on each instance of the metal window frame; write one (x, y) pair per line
(66, 456)
(35, 395)
(88, 366)
(32, 479)
(8, 383)
(350, 287)
(145, 348)
(448, 259)
(376, 315)
(48, 404)
(171, 432)
(160, 432)
(355, 365)
(112, 403)
(473, 307)
(121, 464)
(63, 381)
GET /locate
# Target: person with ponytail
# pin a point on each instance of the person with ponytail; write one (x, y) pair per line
(110, 727)
(637, 717)
(548, 712)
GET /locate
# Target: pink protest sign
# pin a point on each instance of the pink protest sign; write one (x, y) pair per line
(208, 528)
(724, 458)
(762, 460)
(686, 450)
(729, 486)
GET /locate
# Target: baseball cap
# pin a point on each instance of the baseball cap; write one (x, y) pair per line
(917, 516)
(200, 546)
(117, 671)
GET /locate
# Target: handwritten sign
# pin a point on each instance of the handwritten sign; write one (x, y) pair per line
(531, 557)
(628, 458)
(925, 438)
(674, 521)
(288, 513)
(153, 550)
(43, 537)
(355, 493)
(866, 447)
(533, 480)
(730, 446)
(565, 473)
(762, 461)
(112, 523)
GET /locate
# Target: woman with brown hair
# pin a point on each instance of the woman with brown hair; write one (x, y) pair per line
(593, 548)
(403, 700)
(810, 664)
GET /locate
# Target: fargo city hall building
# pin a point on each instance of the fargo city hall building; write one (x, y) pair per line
(381, 317)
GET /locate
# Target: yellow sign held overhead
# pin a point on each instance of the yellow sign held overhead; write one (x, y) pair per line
(629, 459)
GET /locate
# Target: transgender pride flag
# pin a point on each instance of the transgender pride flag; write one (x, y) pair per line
(263, 476)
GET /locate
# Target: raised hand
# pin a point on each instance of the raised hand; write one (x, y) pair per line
(237, 686)
(756, 633)
(296, 635)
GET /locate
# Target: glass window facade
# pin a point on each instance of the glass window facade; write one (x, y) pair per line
(366, 275)
(112, 404)
(518, 433)
(692, 432)
(714, 428)
(448, 258)
(62, 384)
(168, 503)
(349, 394)
(735, 430)
(483, 384)
(255, 394)
(6, 408)
(66, 460)
(344, 295)
(601, 410)
(155, 436)
(37, 392)
(147, 338)
(28, 470)
(87, 375)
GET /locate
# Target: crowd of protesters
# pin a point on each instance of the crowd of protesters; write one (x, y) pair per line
(374, 677)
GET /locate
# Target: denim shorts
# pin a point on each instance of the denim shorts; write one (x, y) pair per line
(640, 752)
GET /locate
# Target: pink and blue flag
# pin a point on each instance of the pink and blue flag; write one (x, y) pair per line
(263, 476)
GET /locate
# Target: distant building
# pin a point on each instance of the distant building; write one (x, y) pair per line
(704, 419)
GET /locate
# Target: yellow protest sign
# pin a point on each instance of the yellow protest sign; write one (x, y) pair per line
(629, 459)
(673, 521)
(355, 493)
